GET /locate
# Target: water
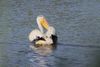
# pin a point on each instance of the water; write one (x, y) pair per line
(77, 23)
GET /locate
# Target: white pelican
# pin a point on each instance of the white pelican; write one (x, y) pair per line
(40, 38)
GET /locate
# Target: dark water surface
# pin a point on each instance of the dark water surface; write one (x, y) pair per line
(78, 27)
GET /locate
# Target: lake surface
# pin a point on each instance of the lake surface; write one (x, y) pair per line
(77, 23)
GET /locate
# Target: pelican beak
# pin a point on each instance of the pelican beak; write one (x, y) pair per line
(43, 21)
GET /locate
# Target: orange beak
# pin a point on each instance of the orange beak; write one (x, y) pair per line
(43, 21)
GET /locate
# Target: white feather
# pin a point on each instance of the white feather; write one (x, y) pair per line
(50, 31)
(34, 34)
(48, 40)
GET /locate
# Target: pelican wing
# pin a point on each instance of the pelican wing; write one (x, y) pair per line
(34, 34)
(50, 31)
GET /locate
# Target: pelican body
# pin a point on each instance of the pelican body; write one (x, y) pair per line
(40, 38)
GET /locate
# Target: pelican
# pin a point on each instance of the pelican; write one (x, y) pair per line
(41, 37)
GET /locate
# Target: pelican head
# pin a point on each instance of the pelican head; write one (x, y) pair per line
(42, 23)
